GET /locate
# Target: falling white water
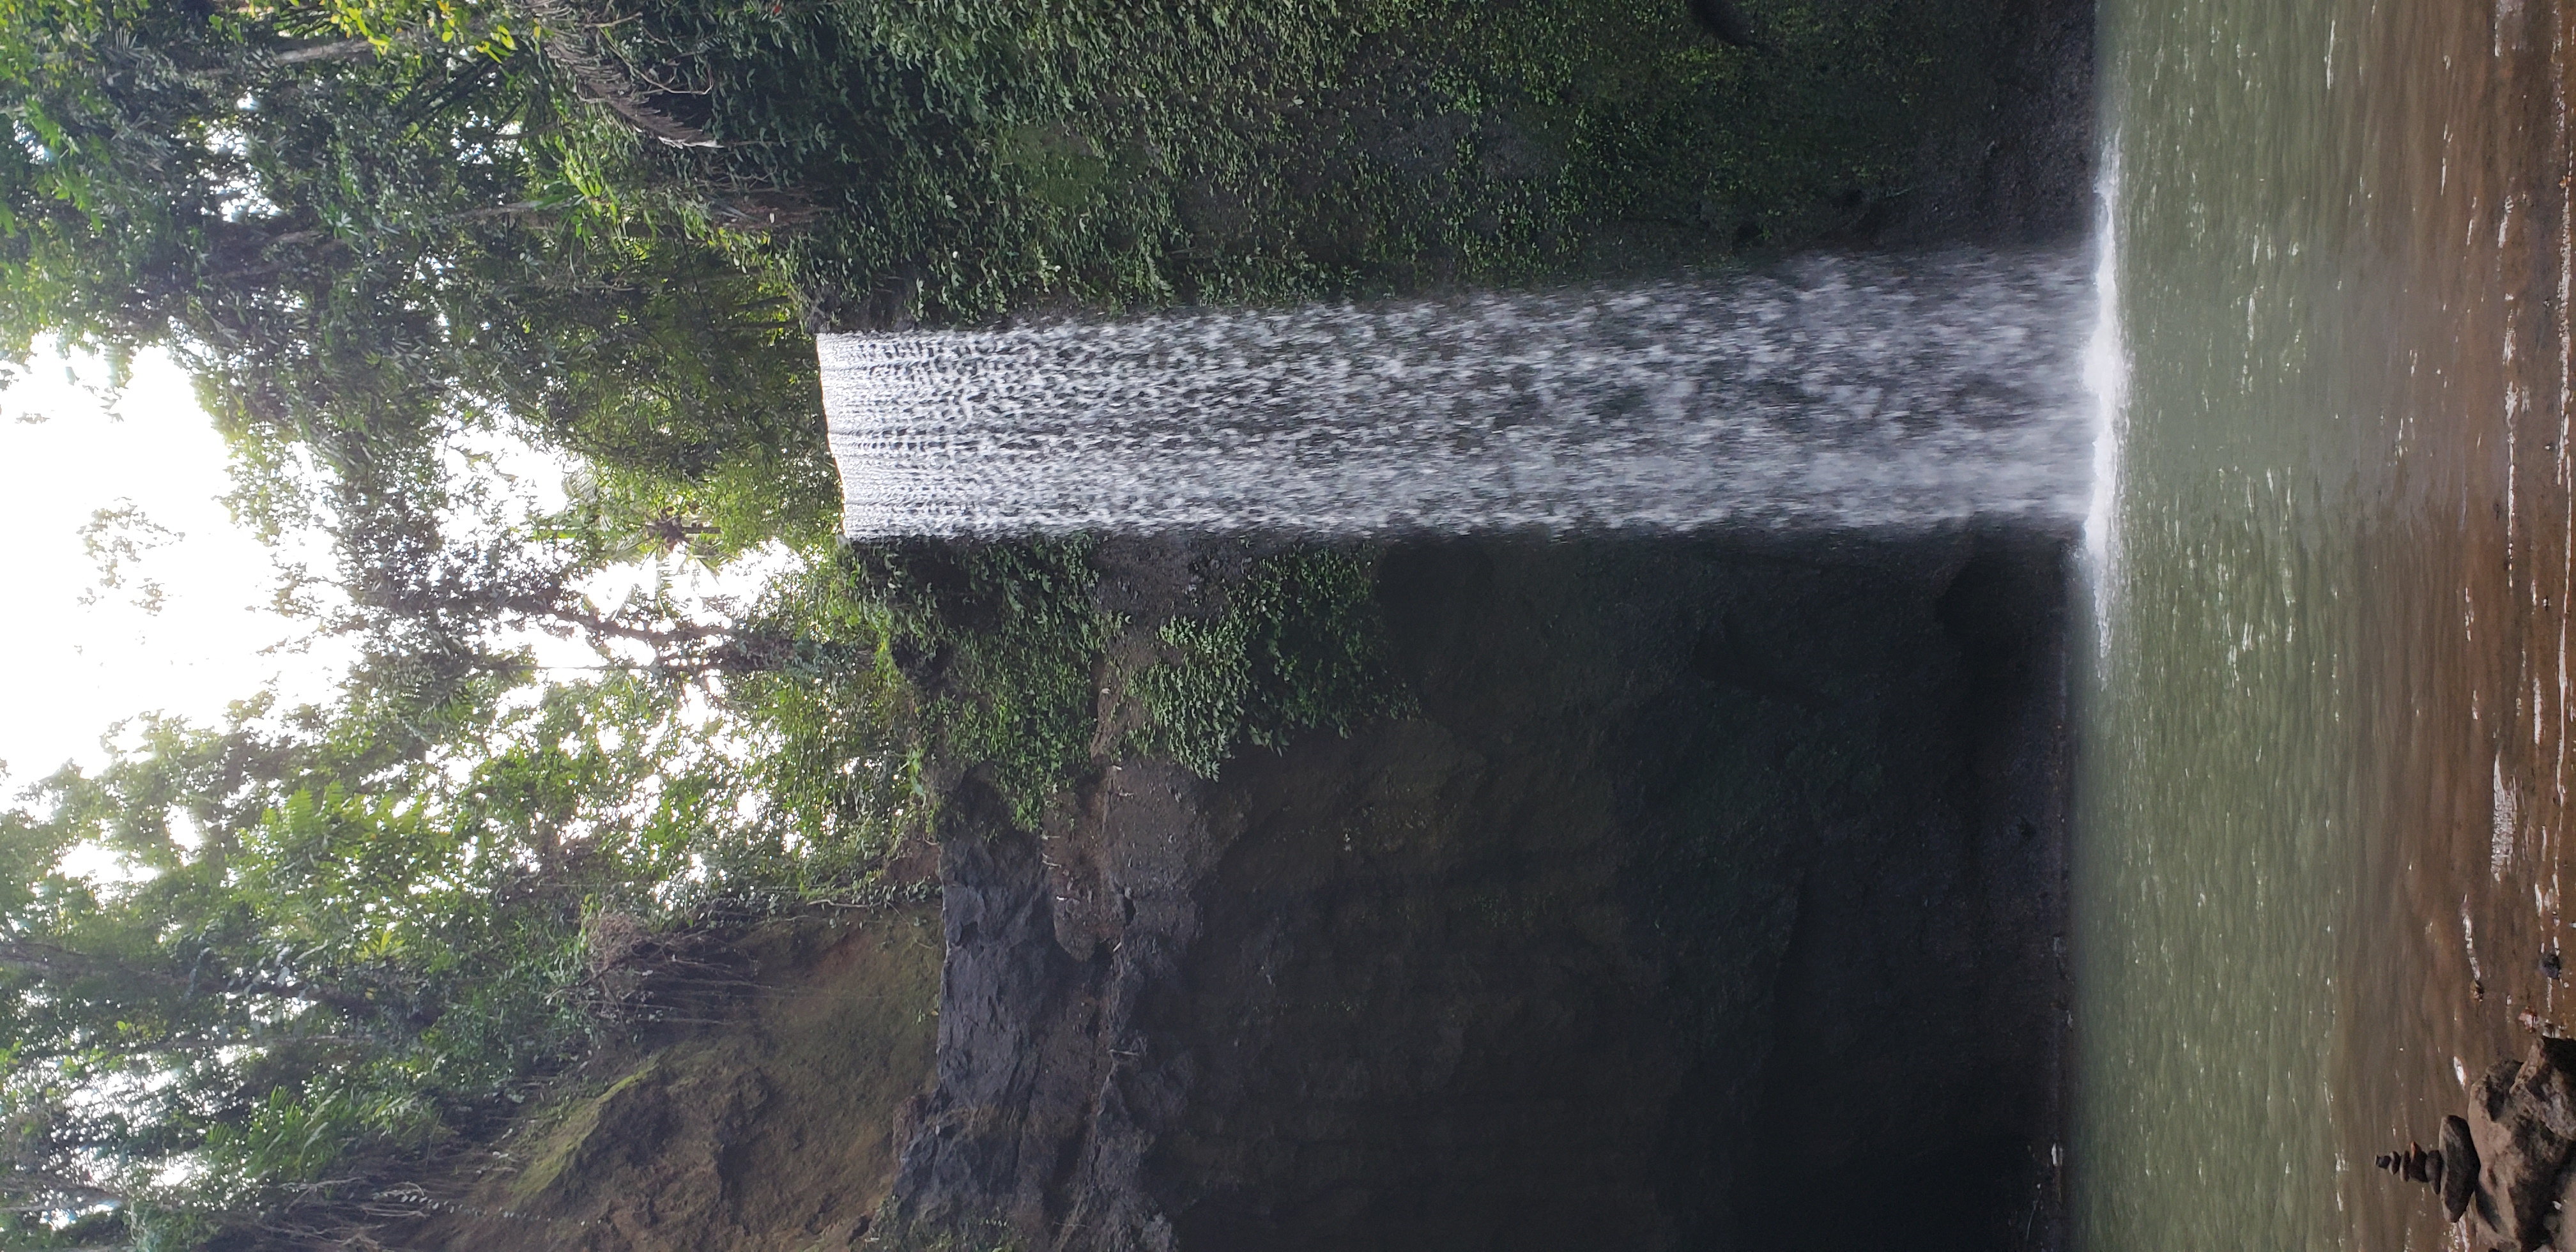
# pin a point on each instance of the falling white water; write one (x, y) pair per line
(2106, 376)
(1839, 392)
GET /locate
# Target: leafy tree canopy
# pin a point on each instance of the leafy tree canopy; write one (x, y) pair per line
(341, 952)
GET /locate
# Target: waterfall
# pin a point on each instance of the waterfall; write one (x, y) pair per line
(1843, 392)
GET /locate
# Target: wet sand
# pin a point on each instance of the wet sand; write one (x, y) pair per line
(2461, 889)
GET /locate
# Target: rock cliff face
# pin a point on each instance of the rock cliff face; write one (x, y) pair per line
(1712, 900)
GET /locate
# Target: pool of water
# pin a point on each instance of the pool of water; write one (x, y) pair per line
(2320, 809)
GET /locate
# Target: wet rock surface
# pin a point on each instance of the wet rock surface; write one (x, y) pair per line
(2507, 1171)
(2023, 171)
(1712, 900)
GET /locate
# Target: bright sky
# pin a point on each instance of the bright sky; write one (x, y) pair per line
(76, 668)
(79, 667)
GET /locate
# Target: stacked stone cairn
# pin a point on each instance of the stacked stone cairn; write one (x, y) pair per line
(2503, 1171)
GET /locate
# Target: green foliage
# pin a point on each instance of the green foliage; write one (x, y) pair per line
(274, 995)
(1003, 642)
(960, 160)
(689, 391)
(372, 250)
(1299, 647)
(831, 753)
(339, 954)
(36, 1232)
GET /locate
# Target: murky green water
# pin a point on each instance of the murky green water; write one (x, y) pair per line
(2323, 229)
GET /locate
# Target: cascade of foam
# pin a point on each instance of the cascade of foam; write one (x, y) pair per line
(1837, 392)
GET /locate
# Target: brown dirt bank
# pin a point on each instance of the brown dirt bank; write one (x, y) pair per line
(1713, 900)
(764, 1120)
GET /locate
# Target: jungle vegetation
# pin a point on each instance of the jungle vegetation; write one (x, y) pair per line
(354, 937)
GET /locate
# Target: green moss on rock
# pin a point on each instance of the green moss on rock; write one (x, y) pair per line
(1299, 646)
(953, 162)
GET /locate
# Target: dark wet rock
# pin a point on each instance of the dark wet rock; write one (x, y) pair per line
(1607, 947)
(2024, 172)
(2522, 1120)
(1725, 20)
(2414, 1165)
(2459, 1179)
(2417, 1165)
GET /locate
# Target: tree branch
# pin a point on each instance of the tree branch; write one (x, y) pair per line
(47, 961)
(334, 50)
(674, 637)
(60, 1190)
(605, 84)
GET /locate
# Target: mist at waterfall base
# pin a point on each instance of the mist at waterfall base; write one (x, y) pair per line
(1830, 392)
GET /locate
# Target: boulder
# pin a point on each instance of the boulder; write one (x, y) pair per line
(2566, 1205)
(2459, 1175)
(2522, 1128)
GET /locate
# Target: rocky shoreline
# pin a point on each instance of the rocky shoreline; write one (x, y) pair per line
(2506, 1173)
